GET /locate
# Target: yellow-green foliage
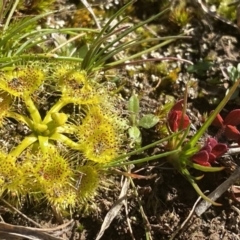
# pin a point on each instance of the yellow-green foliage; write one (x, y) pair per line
(5, 101)
(11, 176)
(36, 6)
(75, 86)
(42, 164)
(52, 169)
(88, 181)
(213, 1)
(180, 14)
(223, 8)
(102, 142)
(226, 11)
(20, 81)
(161, 68)
(62, 197)
(83, 18)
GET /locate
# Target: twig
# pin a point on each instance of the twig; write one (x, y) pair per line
(136, 62)
(23, 215)
(64, 225)
(128, 169)
(128, 220)
(87, 5)
(66, 42)
(29, 233)
(186, 220)
(112, 213)
(53, 229)
(147, 225)
(233, 151)
(235, 209)
(204, 205)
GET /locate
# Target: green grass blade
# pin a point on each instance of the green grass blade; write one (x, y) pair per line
(13, 33)
(95, 45)
(193, 141)
(139, 54)
(125, 33)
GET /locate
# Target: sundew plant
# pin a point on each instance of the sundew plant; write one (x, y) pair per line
(41, 161)
(61, 127)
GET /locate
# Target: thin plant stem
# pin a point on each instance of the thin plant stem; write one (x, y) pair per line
(146, 159)
(27, 141)
(183, 137)
(64, 139)
(55, 108)
(144, 216)
(21, 118)
(147, 146)
(34, 113)
(43, 143)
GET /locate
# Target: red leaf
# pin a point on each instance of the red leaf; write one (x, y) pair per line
(212, 158)
(233, 118)
(178, 106)
(185, 123)
(218, 121)
(212, 142)
(201, 158)
(207, 148)
(172, 120)
(232, 133)
(219, 149)
(175, 121)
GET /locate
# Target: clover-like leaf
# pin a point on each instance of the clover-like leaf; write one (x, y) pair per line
(135, 135)
(134, 132)
(233, 73)
(148, 121)
(133, 108)
(200, 67)
(133, 104)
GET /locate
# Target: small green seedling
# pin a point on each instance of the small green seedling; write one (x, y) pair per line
(147, 121)
(200, 67)
(234, 75)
